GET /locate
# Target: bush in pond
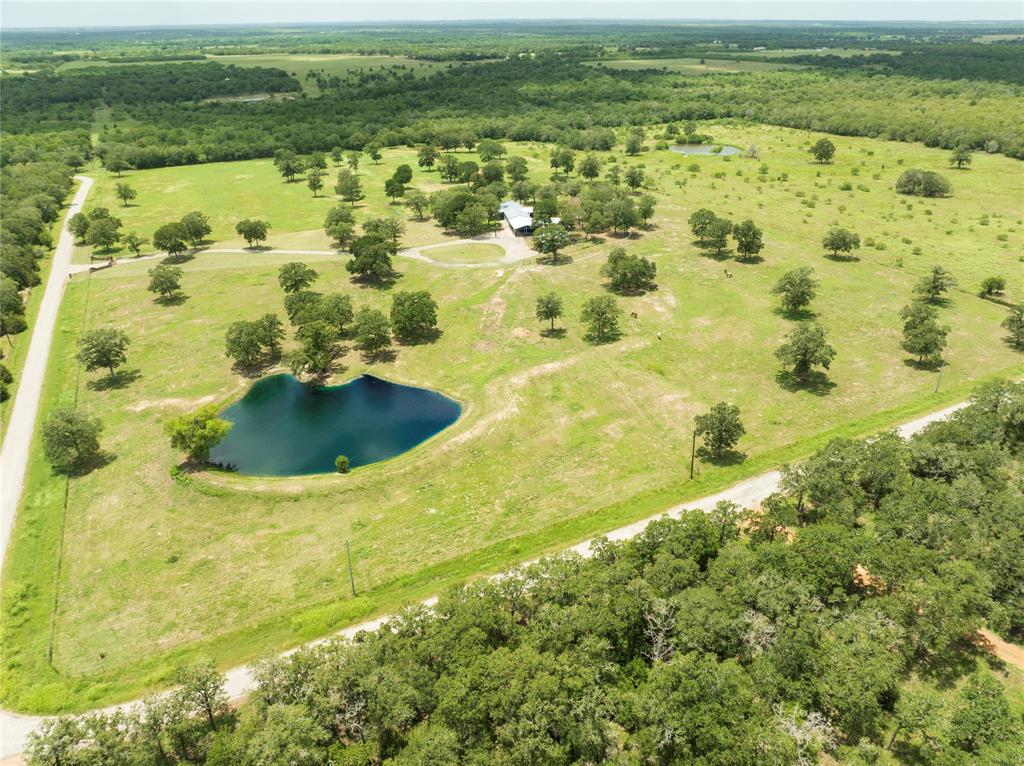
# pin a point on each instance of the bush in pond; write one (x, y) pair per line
(341, 463)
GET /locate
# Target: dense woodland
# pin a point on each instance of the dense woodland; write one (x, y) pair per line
(997, 63)
(141, 85)
(544, 99)
(839, 617)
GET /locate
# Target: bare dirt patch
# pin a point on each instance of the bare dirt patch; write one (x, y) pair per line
(1009, 653)
(171, 403)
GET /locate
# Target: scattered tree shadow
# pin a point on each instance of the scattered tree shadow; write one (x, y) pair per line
(554, 260)
(100, 460)
(925, 365)
(717, 255)
(842, 257)
(257, 369)
(171, 300)
(553, 332)
(1013, 343)
(383, 356)
(632, 292)
(813, 382)
(120, 379)
(179, 258)
(429, 336)
(912, 753)
(258, 248)
(749, 260)
(727, 458)
(377, 283)
(601, 340)
(798, 315)
(946, 670)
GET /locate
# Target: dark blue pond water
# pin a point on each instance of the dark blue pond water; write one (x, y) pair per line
(704, 149)
(284, 427)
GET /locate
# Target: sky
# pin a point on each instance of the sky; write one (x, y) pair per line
(135, 13)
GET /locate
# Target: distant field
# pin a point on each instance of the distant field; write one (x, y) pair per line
(72, 66)
(332, 64)
(841, 52)
(997, 38)
(558, 440)
(694, 65)
(298, 65)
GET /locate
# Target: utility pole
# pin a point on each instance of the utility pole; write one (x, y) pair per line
(351, 577)
(693, 451)
(945, 354)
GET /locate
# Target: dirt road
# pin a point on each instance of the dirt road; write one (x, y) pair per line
(14, 454)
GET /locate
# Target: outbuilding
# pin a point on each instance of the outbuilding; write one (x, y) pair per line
(519, 217)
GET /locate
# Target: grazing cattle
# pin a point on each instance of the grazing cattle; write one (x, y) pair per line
(633, 314)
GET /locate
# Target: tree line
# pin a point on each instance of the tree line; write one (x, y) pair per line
(35, 178)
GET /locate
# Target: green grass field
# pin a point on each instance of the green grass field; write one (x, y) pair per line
(231, 191)
(558, 440)
(464, 253)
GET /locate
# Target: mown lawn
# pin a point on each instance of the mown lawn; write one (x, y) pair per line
(469, 253)
(558, 439)
(231, 191)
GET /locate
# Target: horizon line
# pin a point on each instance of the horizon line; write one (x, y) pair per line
(1019, 23)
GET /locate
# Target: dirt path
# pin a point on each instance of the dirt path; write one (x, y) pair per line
(516, 250)
(1011, 654)
(14, 454)
(239, 681)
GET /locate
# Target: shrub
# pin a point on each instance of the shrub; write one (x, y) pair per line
(993, 286)
(923, 183)
(71, 439)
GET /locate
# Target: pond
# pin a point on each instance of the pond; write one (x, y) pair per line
(705, 149)
(284, 427)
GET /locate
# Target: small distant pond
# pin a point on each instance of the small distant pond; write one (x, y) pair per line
(704, 149)
(284, 427)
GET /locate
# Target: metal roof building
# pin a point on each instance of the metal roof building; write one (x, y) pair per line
(519, 217)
